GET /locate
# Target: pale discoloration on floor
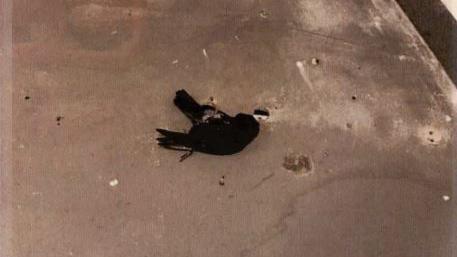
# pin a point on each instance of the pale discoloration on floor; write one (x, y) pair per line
(97, 184)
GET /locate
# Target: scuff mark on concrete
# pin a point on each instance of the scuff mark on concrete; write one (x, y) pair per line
(304, 74)
(262, 181)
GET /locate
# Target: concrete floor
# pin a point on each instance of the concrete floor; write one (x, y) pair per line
(356, 159)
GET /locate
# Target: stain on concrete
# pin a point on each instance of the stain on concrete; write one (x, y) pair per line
(299, 164)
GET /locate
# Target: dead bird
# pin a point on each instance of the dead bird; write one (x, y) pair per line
(213, 131)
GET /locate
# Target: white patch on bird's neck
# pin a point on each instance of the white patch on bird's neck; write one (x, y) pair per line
(260, 117)
(213, 114)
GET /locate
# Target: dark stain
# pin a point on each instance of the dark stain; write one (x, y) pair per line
(59, 119)
(27, 97)
(349, 125)
(299, 164)
(354, 97)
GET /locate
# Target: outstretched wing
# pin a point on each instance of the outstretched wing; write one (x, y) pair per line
(193, 110)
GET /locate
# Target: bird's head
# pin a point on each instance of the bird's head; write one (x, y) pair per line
(261, 114)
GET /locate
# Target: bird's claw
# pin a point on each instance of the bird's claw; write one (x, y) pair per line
(186, 155)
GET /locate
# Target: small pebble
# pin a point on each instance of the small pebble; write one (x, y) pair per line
(114, 182)
(448, 118)
(205, 53)
(263, 14)
(315, 61)
(446, 198)
(175, 62)
(222, 181)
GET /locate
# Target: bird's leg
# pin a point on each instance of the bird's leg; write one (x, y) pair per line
(186, 155)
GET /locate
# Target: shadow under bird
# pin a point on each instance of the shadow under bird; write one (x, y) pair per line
(213, 131)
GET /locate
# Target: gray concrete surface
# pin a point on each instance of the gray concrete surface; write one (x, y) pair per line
(356, 160)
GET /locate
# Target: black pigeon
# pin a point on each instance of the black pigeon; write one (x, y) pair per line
(213, 131)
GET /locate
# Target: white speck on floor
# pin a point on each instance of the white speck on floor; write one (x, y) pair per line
(446, 198)
(205, 53)
(114, 182)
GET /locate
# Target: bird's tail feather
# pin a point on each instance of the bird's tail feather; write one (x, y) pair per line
(187, 104)
(174, 140)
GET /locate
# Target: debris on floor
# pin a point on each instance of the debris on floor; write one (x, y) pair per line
(315, 61)
(446, 198)
(222, 181)
(59, 119)
(114, 182)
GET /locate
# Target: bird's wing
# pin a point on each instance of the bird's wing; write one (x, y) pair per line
(193, 110)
